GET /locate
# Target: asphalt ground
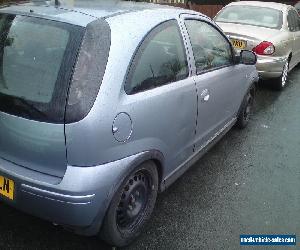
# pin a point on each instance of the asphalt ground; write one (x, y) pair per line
(249, 183)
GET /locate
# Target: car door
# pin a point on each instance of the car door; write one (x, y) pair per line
(161, 96)
(218, 81)
(294, 28)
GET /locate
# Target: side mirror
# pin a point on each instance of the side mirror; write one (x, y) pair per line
(248, 57)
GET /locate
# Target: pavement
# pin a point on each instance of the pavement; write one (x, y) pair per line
(249, 183)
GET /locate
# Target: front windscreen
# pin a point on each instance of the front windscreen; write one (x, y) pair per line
(36, 60)
(251, 15)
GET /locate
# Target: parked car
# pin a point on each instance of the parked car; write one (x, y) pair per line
(271, 30)
(99, 112)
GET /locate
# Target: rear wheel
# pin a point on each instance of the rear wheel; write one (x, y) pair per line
(131, 206)
(246, 109)
(282, 80)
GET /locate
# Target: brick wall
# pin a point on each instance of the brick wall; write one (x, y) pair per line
(209, 10)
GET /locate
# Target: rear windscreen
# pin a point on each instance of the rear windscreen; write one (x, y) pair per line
(36, 62)
(251, 15)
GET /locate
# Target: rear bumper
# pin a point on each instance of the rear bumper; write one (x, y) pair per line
(77, 201)
(270, 67)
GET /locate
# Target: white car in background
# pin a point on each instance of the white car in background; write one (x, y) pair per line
(271, 30)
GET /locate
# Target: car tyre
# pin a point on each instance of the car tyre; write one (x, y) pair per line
(131, 206)
(245, 111)
(282, 80)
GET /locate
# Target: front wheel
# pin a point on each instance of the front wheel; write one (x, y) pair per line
(246, 109)
(131, 206)
(282, 80)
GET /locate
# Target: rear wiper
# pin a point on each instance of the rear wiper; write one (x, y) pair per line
(24, 103)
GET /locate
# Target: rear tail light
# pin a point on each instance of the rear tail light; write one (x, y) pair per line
(264, 48)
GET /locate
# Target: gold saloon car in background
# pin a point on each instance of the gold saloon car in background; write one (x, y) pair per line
(271, 30)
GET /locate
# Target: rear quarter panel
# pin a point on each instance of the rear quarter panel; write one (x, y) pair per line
(91, 142)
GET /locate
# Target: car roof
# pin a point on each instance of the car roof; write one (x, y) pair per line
(83, 12)
(273, 5)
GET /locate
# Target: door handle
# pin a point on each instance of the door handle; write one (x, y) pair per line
(205, 95)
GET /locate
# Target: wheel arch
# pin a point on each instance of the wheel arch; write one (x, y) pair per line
(151, 155)
(159, 168)
(140, 158)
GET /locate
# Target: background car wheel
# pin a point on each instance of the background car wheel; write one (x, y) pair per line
(246, 109)
(131, 206)
(282, 80)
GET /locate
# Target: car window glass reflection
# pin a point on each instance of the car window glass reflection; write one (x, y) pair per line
(293, 21)
(161, 60)
(31, 54)
(211, 49)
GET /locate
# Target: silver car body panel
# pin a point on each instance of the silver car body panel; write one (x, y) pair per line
(176, 173)
(32, 144)
(81, 12)
(161, 124)
(270, 67)
(168, 99)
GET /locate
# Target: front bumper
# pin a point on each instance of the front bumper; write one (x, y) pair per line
(77, 201)
(270, 67)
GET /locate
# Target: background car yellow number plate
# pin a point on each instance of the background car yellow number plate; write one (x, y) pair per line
(239, 44)
(7, 188)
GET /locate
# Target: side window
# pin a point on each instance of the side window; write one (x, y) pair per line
(297, 20)
(210, 47)
(290, 21)
(293, 21)
(160, 60)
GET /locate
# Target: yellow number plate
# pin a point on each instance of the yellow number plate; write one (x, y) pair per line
(7, 188)
(239, 44)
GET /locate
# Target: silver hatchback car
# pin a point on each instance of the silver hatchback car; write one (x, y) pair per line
(100, 111)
